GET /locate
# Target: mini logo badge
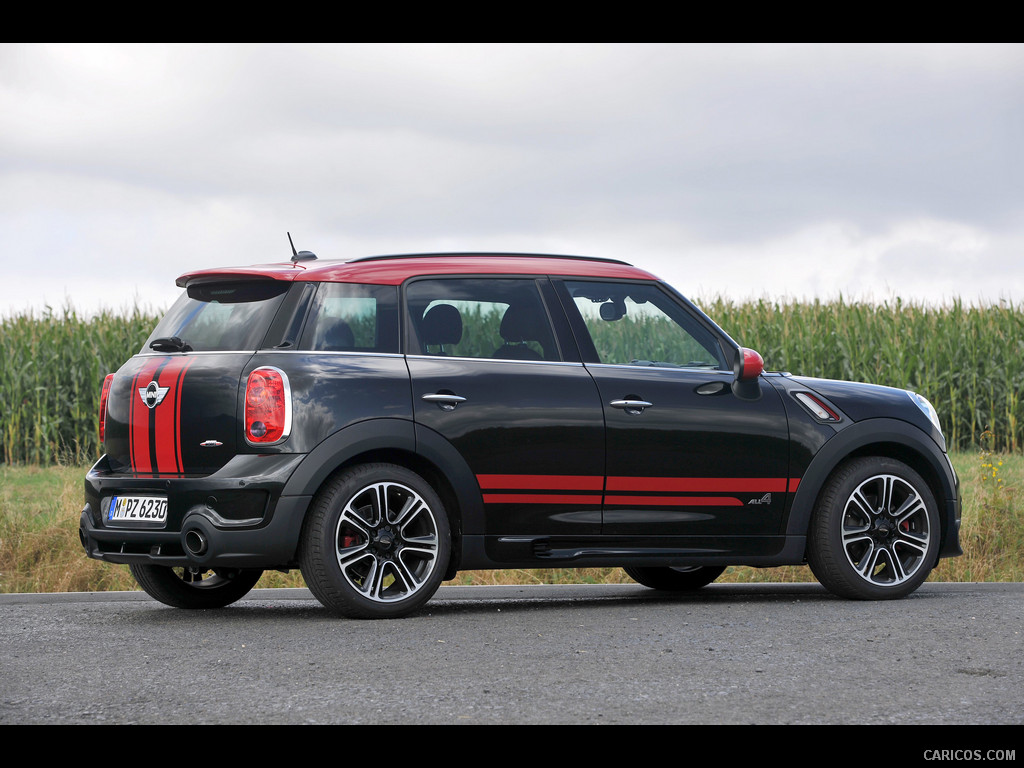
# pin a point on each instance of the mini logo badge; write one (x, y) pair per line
(153, 394)
(766, 499)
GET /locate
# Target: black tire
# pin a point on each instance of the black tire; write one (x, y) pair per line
(875, 532)
(375, 543)
(195, 587)
(675, 579)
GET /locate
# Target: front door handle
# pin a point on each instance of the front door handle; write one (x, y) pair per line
(630, 406)
(446, 401)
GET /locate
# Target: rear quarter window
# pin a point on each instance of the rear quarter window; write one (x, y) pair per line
(350, 317)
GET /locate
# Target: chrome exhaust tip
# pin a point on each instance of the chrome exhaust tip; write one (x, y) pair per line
(195, 542)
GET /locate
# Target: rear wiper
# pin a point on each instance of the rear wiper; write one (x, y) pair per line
(169, 344)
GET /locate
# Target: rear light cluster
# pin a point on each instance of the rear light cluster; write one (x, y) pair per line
(268, 406)
(103, 405)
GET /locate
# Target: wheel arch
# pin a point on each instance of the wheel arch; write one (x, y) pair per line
(888, 438)
(401, 442)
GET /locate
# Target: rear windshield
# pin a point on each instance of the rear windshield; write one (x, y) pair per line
(221, 317)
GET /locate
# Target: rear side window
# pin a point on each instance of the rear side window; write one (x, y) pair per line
(222, 317)
(500, 318)
(348, 317)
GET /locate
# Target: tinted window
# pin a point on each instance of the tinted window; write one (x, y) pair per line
(488, 318)
(346, 317)
(634, 324)
(227, 316)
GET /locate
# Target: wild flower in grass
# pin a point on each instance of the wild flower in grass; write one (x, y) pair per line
(989, 464)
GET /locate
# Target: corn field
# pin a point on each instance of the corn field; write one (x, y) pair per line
(968, 360)
(53, 367)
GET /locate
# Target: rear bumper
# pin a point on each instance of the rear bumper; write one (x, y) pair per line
(235, 517)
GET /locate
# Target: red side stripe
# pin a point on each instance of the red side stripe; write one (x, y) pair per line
(543, 482)
(699, 484)
(629, 489)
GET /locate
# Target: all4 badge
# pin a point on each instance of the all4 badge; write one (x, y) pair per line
(766, 499)
(153, 394)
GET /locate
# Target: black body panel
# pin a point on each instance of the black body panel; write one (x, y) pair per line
(531, 432)
(334, 390)
(692, 464)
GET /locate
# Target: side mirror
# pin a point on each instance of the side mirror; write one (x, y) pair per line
(746, 368)
(749, 365)
(612, 310)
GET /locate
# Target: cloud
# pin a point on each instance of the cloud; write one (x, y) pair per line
(858, 165)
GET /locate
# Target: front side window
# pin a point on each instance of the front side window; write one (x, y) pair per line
(493, 318)
(638, 324)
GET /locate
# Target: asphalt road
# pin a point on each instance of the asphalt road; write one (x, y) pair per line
(617, 654)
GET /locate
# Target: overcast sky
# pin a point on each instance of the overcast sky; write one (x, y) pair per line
(748, 171)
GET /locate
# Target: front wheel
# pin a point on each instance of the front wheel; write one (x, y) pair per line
(195, 587)
(675, 579)
(875, 532)
(376, 542)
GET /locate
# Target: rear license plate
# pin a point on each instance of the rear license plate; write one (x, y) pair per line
(137, 510)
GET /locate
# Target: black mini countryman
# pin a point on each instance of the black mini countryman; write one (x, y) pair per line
(385, 422)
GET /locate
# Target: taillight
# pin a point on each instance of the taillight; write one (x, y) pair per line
(268, 406)
(103, 405)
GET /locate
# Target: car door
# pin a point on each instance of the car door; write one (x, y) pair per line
(489, 375)
(685, 455)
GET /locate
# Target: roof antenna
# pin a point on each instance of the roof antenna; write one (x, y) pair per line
(300, 255)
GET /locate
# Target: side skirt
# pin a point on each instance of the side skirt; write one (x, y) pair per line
(483, 552)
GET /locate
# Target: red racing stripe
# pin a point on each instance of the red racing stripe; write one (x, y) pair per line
(699, 484)
(177, 413)
(629, 489)
(138, 418)
(167, 416)
(543, 482)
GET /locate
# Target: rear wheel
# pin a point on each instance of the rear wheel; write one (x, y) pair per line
(675, 579)
(195, 587)
(376, 542)
(875, 532)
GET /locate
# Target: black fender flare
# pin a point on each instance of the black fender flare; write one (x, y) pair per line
(436, 449)
(862, 434)
(377, 435)
(346, 443)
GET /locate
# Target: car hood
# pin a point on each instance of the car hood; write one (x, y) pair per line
(862, 401)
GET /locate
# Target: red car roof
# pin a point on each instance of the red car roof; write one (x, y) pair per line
(392, 270)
